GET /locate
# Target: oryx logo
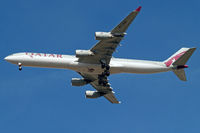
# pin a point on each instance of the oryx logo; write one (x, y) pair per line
(174, 58)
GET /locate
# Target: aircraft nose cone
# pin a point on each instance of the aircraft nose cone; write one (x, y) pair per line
(8, 58)
(12, 59)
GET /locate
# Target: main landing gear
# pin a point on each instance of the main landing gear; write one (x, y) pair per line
(106, 68)
(20, 66)
(103, 81)
(103, 77)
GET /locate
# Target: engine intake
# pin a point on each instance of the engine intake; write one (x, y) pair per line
(84, 53)
(93, 94)
(79, 82)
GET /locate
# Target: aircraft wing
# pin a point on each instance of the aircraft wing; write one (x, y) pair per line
(105, 48)
(105, 90)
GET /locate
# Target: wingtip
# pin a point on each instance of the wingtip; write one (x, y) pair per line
(138, 9)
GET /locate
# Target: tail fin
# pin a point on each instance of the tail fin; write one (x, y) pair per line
(178, 61)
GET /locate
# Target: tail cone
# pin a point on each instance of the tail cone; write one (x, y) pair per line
(182, 66)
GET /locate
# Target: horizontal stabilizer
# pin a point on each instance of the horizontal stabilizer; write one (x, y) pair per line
(180, 73)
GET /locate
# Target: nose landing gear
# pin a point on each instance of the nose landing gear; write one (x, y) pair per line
(20, 66)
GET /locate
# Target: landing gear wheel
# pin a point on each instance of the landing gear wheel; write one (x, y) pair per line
(106, 73)
(105, 83)
(20, 66)
(100, 77)
(103, 65)
(103, 74)
(107, 67)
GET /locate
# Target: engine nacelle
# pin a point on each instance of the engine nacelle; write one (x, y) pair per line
(79, 82)
(107, 35)
(93, 94)
(84, 53)
(103, 35)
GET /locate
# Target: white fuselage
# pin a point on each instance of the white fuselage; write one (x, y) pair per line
(117, 65)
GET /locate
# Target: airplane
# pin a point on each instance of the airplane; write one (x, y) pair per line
(97, 63)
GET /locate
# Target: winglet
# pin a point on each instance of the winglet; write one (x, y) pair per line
(138, 9)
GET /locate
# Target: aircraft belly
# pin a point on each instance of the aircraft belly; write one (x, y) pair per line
(138, 67)
(62, 63)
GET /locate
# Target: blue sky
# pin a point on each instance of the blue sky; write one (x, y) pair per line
(42, 100)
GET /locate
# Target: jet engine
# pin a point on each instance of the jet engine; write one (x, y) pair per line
(103, 35)
(79, 82)
(107, 35)
(84, 53)
(93, 94)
